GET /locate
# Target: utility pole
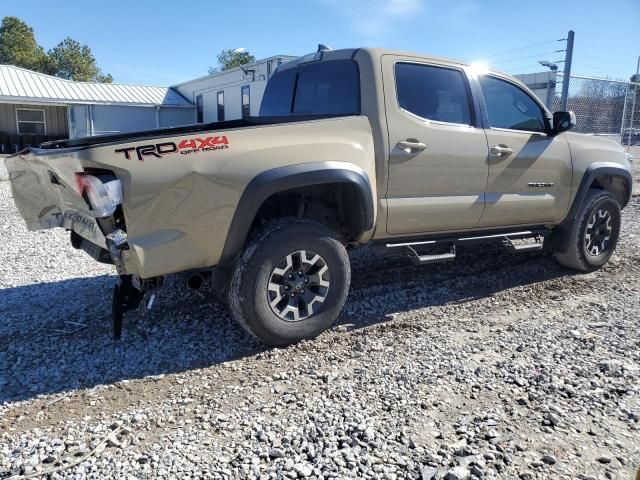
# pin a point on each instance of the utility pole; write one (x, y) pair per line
(633, 103)
(566, 76)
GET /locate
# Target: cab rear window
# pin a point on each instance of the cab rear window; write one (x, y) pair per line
(322, 88)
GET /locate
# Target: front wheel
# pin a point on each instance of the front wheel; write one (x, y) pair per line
(594, 234)
(291, 282)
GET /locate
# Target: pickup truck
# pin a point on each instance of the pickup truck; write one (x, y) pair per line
(352, 147)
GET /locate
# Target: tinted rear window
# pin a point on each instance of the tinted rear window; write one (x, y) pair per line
(323, 88)
(435, 93)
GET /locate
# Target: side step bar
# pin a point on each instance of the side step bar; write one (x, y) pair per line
(533, 246)
(523, 241)
(434, 258)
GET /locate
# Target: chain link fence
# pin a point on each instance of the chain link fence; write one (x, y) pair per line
(603, 107)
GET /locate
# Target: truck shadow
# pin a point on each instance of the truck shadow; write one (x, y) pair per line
(56, 337)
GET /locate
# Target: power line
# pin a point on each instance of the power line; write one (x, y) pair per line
(522, 48)
(517, 70)
(602, 69)
(510, 68)
(524, 58)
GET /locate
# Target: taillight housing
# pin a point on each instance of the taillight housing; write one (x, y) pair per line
(103, 197)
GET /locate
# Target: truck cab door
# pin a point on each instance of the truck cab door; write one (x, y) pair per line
(437, 152)
(530, 170)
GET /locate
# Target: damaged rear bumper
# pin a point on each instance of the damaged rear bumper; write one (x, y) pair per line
(46, 193)
(52, 191)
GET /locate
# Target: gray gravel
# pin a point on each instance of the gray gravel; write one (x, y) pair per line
(496, 366)
(3, 169)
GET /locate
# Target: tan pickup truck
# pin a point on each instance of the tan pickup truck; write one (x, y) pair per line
(352, 147)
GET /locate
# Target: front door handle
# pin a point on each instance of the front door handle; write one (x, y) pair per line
(411, 145)
(501, 151)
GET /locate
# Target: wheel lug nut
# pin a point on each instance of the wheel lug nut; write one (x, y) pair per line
(286, 287)
(293, 294)
(302, 291)
(300, 272)
(290, 276)
(306, 280)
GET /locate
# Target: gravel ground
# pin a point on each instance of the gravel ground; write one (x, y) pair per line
(495, 366)
(635, 169)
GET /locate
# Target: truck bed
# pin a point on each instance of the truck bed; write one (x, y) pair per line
(180, 187)
(184, 129)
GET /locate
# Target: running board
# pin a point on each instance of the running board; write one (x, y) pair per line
(533, 246)
(418, 259)
(510, 239)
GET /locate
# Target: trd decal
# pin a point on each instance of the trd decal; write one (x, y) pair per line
(71, 219)
(185, 147)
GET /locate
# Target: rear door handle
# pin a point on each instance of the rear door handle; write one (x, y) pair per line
(411, 145)
(501, 151)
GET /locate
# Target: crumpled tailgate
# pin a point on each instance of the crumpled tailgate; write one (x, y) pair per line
(46, 192)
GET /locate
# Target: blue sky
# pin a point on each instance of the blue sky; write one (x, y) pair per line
(162, 43)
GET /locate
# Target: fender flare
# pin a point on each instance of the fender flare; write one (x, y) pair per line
(596, 170)
(556, 242)
(280, 179)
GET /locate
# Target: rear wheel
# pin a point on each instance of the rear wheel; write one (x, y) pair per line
(594, 234)
(291, 282)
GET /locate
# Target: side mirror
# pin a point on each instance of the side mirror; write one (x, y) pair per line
(563, 121)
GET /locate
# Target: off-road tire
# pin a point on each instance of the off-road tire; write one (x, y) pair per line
(577, 255)
(248, 291)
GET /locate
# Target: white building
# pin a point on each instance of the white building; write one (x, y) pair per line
(543, 84)
(232, 94)
(35, 108)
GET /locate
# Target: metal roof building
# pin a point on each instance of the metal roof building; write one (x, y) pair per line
(233, 93)
(35, 107)
(16, 82)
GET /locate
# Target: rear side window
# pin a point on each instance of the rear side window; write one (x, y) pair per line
(323, 88)
(510, 107)
(434, 93)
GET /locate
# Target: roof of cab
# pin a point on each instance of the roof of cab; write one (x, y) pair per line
(347, 53)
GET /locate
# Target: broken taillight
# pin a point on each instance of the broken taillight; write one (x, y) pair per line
(103, 197)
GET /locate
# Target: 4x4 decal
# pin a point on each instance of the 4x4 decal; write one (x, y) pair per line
(184, 147)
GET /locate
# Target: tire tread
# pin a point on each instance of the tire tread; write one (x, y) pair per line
(250, 262)
(574, 257)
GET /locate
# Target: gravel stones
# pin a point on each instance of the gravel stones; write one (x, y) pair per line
(489, 367)
(549, 459)
(458, 473)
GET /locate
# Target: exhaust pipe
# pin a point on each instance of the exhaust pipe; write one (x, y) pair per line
(195, 281)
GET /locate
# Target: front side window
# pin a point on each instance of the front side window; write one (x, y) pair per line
(434, 93)
(510, 107)
(220, 101)
(31, 121)
(199, 109)
(246, 102)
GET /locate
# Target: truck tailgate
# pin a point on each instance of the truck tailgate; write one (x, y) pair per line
(46, 191)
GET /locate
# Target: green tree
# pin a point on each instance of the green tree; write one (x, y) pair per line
(69, 59)
(18, 45)
(73, 61)
(232, 58)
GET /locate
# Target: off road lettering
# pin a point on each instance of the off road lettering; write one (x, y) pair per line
(185, 147)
